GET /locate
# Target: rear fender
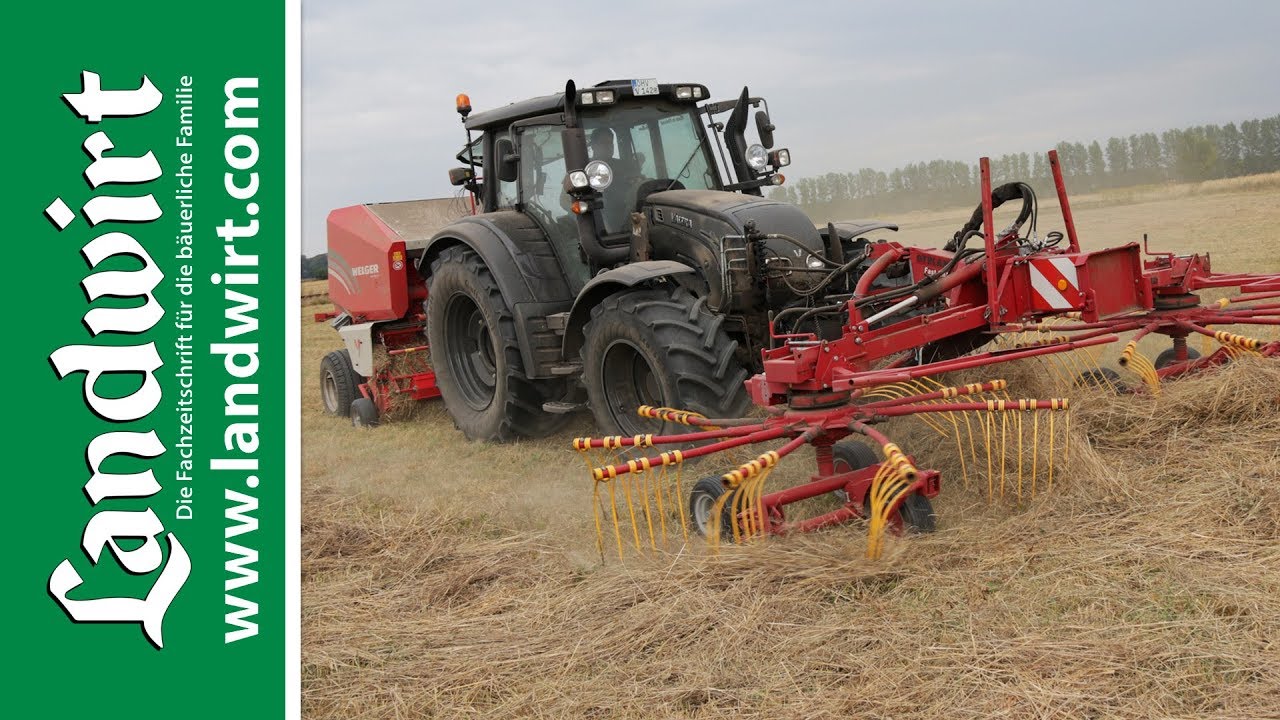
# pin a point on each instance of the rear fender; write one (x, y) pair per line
(531, 282)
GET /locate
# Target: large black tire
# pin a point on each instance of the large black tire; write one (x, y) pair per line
(476, 354)
(659, 347)
(915, 512)
(339, 383)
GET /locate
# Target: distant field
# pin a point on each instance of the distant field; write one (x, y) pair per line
(443, 578)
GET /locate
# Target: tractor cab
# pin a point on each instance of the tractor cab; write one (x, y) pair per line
(580, 163)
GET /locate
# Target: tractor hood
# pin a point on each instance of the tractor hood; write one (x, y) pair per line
(704, 228)
(719, 213)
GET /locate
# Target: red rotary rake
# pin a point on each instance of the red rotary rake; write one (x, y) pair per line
(964, 308)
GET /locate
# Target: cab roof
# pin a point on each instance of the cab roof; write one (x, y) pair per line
(544, 104)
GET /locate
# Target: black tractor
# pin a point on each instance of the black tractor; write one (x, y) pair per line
(622, 254)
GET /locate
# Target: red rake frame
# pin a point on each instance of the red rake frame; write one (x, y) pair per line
(816, 390)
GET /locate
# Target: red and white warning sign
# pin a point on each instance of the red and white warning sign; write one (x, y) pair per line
(1055, 285)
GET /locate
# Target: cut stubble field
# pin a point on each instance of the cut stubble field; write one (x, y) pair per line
(444, 578)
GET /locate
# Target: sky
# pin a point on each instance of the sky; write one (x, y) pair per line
(849, 85)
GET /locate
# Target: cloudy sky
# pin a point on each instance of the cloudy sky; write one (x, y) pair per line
(850, 85)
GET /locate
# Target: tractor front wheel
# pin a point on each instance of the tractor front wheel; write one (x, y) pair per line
(659, 347)
(476, 354)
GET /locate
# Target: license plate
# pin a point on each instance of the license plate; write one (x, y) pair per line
(644, 87)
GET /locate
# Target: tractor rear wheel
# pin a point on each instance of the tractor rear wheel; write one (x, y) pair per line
(476, 354)
(659, 347)
(339, 383)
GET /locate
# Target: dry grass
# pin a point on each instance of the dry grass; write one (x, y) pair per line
(443, 578)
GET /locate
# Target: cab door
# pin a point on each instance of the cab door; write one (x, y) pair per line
(542, 196)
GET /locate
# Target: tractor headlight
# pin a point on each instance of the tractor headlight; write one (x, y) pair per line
(599, 174)
(780, 158)
(814, 262)
(757, 157)
(578, 180)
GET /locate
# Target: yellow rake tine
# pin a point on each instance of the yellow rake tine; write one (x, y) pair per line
(1092, 354)
(648, 517)
(595, 511)
(626, 491)
(1004, 418)
(988, 421)
(1049, 485)
(973, 451)
(1066, 439)
(613, 508)
(659, 488)
(1019, 416)
(1035, 449)
(684, 521)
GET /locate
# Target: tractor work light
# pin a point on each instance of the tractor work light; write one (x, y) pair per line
(578, 180)
(604, 97)
(757, 157)
(684, 92)
(599, 174)
(780, 158)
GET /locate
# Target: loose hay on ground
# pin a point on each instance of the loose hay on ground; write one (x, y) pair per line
(1146, 585)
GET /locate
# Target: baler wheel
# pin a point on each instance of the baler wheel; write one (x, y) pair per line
(702, 500)
(364, 414)
(339, 384)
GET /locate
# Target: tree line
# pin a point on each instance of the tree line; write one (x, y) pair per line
(1192, 154)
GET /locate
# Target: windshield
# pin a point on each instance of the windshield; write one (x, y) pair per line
(653, 141)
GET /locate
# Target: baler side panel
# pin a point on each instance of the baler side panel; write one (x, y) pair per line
(368, 267)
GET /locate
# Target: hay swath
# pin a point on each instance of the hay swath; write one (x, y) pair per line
(962, 308)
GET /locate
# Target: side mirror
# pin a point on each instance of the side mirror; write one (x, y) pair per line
(505, 153)
(765, 129)
(459, 176)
